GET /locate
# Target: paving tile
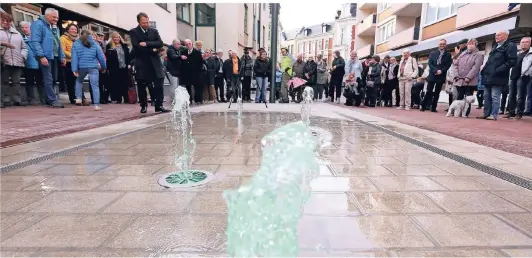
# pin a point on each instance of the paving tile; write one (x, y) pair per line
(360, 161)
(417, 170)
(342, 184)
(72, 170)
(472, 202)
(355, 170)
(30, 170)
(15, 158)
(211, 160)
(11, 182)
(396, 202)
(132, 183)
(518, 252)
(75, 183)
(451, 253)
(523, 221)
(130, 170)
(73, 160)
(238, 170)
(195, 233)
(123, 160)
(472, 230)
(172, 168)
(152, 203)
(330, 204)
(459, 183)
(222, 182)
(498, 184)
(64, 231)
(11, 224)
(72, 202)
(212, 202)
(12, 201)
(406, 183)
(99, 253)
(521, 198)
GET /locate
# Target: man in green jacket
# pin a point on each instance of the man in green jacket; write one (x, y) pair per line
(286, 67)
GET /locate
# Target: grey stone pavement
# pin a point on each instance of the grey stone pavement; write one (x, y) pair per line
(377, 194)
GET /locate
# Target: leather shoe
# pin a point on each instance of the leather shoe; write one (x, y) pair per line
(161, 109)
(143, 110)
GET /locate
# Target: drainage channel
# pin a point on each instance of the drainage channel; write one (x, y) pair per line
(63, 152)
(517, 180)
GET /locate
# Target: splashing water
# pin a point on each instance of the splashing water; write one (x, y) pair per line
(308, 94)
(263, 215)
(182, 121)
(239, 107)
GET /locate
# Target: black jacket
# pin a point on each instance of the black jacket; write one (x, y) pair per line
(516, 70)
(147, 56)
(446, 62)
(261, 68)
(312, 69)
(174, 61)
(340, 67)
(191, 67)
(375, 75)
(111, 57)
(496, 71)
(212, 68)
(228, 68)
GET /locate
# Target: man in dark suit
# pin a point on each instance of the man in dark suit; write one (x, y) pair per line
(191, 65)
(146, 43)
(439, 62)
(515, 74)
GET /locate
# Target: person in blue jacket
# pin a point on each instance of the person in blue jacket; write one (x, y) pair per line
(480, 92)
(87, 59)
(32, 74)
(46, 47)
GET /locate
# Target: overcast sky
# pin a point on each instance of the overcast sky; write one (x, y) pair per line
(296, 14)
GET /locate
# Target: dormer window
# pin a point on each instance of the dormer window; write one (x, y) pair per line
(325, 28)
(306, 32)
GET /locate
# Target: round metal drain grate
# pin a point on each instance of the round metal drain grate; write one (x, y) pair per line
(186, 178)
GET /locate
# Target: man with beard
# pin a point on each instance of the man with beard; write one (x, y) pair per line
(146, 43)
(439, 62)
(191, 65)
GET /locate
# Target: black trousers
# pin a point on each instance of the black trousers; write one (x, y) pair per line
(34, 86)
(70, 81)
(416, 95)
(387, 91)
(504, 99)
(512, 97)
(371, 96)
(480, 98)
(156, 93)
(246, 88)
(219, 86)
(522, 85)
(336, 85)
(119, 84)
(433, 95)
(359, 99)
(397, 93)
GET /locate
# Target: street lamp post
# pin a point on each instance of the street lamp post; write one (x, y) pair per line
(273, 52)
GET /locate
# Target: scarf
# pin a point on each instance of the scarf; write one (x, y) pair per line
(235, 65)
(70, 36)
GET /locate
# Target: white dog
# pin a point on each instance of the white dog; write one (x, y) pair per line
(461, 106)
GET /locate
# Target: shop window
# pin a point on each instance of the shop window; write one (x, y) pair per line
(183, 12)
(19, 16)
(205, 14)
(163, 5)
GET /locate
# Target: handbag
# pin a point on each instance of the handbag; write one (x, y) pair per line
(132, 91)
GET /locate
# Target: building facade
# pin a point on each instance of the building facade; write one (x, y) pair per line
(389, 28)
(344, 29)
(311, 41)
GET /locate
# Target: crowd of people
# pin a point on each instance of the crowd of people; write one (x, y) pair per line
(127, 72)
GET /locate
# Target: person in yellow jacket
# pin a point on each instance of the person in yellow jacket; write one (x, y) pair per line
(67, 40)
(286, 67)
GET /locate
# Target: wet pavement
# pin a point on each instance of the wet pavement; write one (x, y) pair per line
(377, 195)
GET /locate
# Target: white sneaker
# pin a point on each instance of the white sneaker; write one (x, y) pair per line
(78, 102)
(401, 108)
(97, 108)
(407, 108)
(337, 101)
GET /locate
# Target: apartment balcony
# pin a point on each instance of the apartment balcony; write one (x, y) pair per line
(407, 9)
(367, 6)
(365, 52)
(471, 14)
(367, 26)
(404, 38)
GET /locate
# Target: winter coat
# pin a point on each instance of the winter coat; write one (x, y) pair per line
(444, 65)
(31, 62)
(247, 66)
(16, 56)
(322, 73)
(286, 64)
(374, 74)
(111, 57)
(173, 64)
(339, 63)
(66, 44)
(410, 69)
(298, 69)
(228, 68)
(191, 68)
(516, 71)
(87, 57)
(496, 71)
(354, 67)
(147, 60)
(480, 85)
(212, 68)
(261, 67)
(467, 65)
(310, 68)
(42, 41)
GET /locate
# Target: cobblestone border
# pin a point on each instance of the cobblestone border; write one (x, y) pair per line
(63, 152)
(511, 178)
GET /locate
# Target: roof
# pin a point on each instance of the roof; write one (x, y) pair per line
(315, 30)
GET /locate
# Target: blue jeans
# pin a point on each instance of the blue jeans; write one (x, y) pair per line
(94, 78)
(492, 100)
(528, 107)
(262, 86)
(49, 76)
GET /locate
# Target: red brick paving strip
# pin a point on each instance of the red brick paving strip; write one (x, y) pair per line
(27, 124)
(504, 134)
